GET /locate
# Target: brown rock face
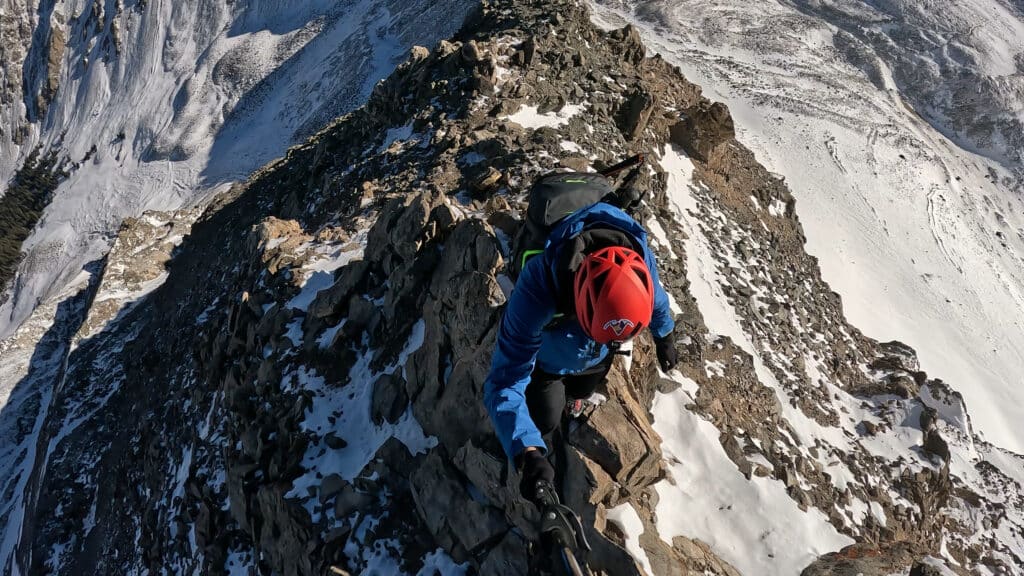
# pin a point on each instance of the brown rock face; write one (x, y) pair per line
(636, 113)
(703, 128)
(54, 55)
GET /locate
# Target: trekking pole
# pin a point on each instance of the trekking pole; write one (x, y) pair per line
(563, 526)
(614, 169)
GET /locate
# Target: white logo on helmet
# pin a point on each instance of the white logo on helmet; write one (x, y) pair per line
(618, 326)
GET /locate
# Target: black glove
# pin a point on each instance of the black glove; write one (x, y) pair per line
(666, 349)
(535, 468)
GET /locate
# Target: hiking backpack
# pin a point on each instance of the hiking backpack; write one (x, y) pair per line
(553, 197)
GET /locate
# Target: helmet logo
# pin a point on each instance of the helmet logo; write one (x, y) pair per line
(618, 326)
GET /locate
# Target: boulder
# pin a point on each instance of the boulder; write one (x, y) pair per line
(490, 475)
(333, 301)
(285, 532)
(635, 113)
(399, 231)
(330, 487)
(348, 500)
(703, 128)
(508, 558)
(459, 523)
(389, 399)
(631, 47)
(935, 445)
(618, 437)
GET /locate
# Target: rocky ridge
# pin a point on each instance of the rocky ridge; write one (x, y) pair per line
(309, 369)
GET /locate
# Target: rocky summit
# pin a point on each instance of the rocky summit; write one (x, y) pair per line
(288, 379)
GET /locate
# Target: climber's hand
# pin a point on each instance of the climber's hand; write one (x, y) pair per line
(668, 357)
(535, 468)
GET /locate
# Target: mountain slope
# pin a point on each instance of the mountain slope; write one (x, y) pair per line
(896, 125)
(290, 378)
(157, 104)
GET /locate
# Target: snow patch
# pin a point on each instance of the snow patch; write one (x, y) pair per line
(752, 524)
(629, 521)
(529, 117)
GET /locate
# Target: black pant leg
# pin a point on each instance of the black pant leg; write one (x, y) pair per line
(545, 398)
(583, 385)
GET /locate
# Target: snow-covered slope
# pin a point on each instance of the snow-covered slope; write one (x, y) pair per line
(897, 125)
(157, 103)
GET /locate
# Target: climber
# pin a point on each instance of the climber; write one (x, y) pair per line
(593, 286)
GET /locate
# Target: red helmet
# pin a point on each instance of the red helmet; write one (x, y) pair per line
(614, 294)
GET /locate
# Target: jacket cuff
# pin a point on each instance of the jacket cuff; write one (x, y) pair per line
(667, 331)
(527, 440)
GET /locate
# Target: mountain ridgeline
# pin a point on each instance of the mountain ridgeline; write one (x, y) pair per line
(290, 380)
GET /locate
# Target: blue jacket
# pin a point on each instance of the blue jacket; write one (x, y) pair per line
(523, 342)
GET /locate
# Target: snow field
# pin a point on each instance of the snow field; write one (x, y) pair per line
(901, 443)
(902, 220)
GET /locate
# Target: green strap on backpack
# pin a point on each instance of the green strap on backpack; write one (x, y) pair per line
(552, 198)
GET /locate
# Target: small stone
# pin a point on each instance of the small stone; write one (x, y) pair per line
(330, 487)
(936, 445)
(334, 442)
(470, 52)
(489, 180)
(419, 53)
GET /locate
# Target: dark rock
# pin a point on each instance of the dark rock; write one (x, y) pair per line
(927, 419)
(870, 428)
(632, 45)
(349, 500)
(703, 128)
(333, 301)
(635, 114)
(936, 445)
(508, 558)
(902, 385)
(457, 521)
(360, 316)
(285, 532)
(334, 442)
(529, 49)
(389, 399)
(331, 485)
(470, 52)
(399, 231)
